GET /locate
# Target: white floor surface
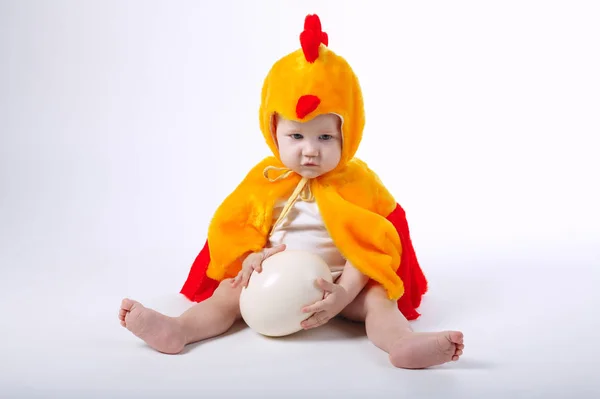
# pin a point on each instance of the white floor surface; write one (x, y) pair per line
(123, 125)
(527, 335)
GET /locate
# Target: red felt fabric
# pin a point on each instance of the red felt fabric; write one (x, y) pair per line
(311, 37)
(307, 104)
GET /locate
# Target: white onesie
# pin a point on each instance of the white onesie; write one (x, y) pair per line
(303, 229)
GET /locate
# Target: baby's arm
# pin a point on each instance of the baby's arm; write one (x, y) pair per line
(352, 280)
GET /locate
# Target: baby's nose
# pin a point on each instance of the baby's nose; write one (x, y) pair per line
(310, 151)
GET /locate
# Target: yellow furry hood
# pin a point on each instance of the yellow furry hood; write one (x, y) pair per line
(311, 81)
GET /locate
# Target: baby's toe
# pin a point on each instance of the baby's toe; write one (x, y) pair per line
(127, 304)
(456, 337)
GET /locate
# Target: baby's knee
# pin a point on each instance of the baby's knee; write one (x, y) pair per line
(228, 294)
(376, 296)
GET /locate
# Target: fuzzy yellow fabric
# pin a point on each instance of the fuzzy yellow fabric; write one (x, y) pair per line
(352, 200)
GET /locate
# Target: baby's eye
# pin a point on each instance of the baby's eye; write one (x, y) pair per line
(326, 137)
(296, 136)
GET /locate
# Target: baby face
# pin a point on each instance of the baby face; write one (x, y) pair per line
(310, 148)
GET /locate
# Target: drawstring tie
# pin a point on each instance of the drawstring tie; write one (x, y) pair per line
(302, 191)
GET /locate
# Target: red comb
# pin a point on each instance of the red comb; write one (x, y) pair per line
(306, 104)
(311, 37)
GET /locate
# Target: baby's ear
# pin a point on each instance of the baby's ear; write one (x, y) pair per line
(274, 120)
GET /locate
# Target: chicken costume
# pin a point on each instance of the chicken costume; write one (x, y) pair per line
(363, 219)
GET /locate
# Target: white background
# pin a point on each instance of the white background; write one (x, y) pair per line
(123, 124)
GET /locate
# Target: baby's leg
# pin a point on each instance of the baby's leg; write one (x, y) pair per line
(207, 319)
(389, 330)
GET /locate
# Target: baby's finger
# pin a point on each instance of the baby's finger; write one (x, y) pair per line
(257, 267)
(315, 307)
(246, 278)
(316, 320)
(309, 323)
(250, 259)
(273, 250)
(238, 279)
(325, 285)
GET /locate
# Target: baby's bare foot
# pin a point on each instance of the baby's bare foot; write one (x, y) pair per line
(163, 333)
(421, 350)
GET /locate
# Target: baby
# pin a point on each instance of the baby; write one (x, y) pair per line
(310, 149)
(322, 199)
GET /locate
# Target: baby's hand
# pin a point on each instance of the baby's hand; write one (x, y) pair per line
(254, 262)
(335, 300)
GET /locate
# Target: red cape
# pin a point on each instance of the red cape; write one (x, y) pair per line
(199, 286)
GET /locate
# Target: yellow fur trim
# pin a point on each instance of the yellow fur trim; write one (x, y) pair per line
(354, 206)
(242, 222)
